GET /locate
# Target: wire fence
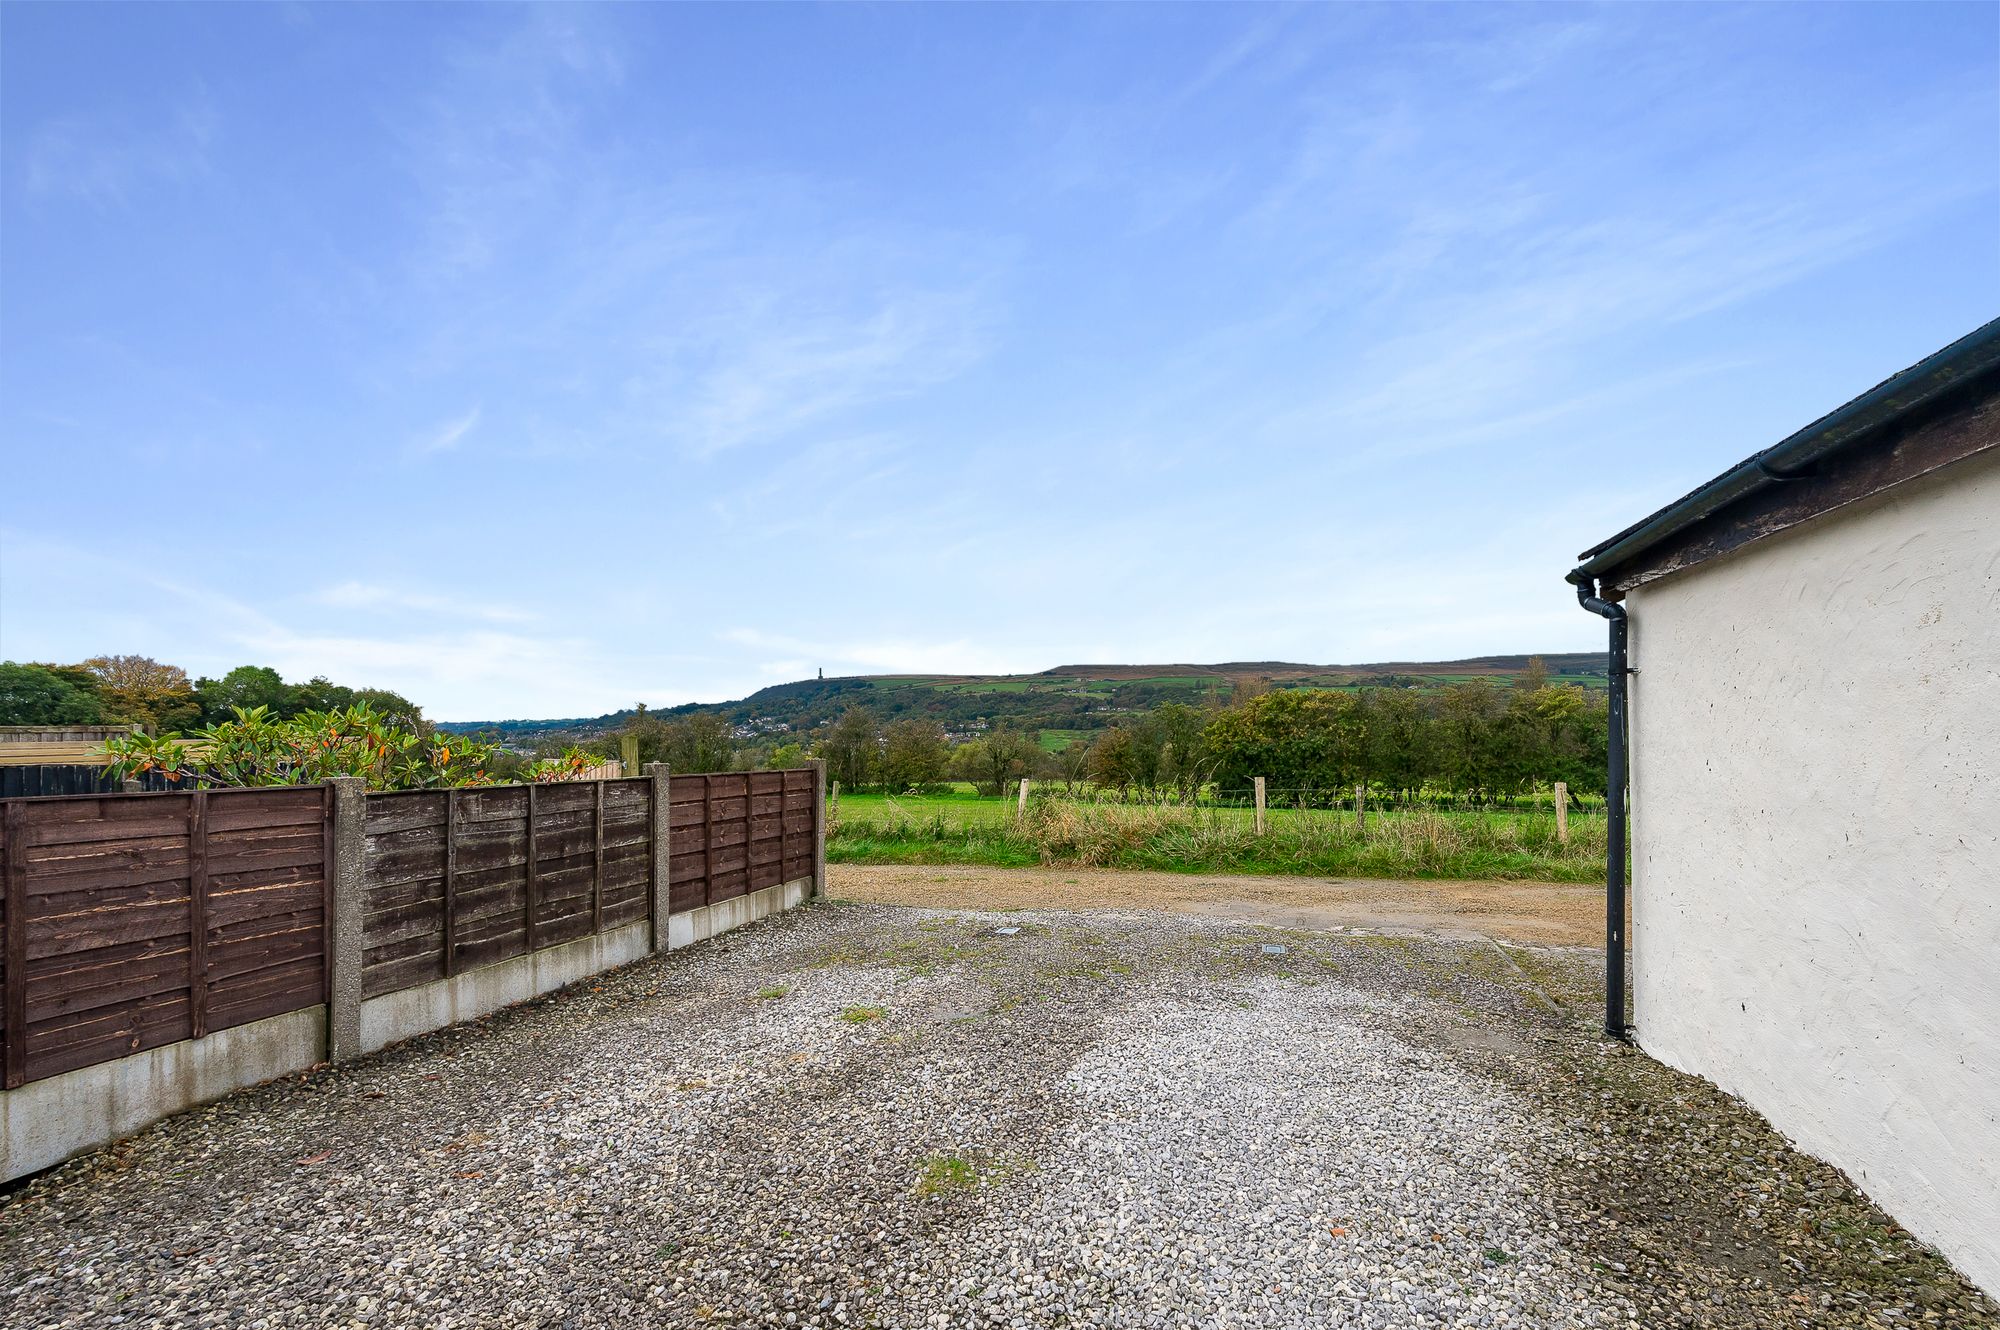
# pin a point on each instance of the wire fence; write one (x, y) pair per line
(1323, 800)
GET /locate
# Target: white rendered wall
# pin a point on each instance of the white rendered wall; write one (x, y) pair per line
(1816, 871)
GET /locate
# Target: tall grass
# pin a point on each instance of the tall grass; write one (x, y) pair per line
(1175, 838)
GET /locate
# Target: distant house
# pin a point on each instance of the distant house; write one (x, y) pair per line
(1814, 737)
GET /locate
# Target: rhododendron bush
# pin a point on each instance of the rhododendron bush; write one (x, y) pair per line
(256, 748)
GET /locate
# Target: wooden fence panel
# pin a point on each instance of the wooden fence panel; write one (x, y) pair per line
(132, 921)
(738, 832)
(457, 879)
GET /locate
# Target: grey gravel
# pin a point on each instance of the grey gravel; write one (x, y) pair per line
(860, 1115)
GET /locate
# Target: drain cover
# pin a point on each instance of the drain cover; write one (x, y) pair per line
(1272, 949)
(1006, 932)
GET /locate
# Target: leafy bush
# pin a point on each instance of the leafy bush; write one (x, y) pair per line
(256, 748)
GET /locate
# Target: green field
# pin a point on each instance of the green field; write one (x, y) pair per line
(964, 828)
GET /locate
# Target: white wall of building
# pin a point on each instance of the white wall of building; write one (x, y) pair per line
(1816, 873)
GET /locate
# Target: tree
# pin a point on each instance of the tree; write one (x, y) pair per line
(1184, 761)
(1308, 743)
(785, 755)
(396, 709)
(1112, 762)
(914, 754)
(42, 695)
(139, 673)
(1534, 678)
(996, 761)
(700, 741)
(1468, 755)
(1072, 763)
(142, 691)
(320, 694)
(1399, 739)
(852, 748)
(245, 688)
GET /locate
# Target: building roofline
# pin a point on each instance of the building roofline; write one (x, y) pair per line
(1893, 399)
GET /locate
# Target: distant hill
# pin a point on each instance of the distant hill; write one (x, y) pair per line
(1064, 703)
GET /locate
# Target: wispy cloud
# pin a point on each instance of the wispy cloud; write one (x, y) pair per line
(368, 596)
(105, 160)
(774, 369)
(447, 436)
(708, 308)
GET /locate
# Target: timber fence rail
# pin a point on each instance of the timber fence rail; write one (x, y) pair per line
(160, 949)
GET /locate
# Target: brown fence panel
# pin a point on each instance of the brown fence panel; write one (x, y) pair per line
(627, 877)
(737, 832)
(458, 879)
(132, 921)
(403, 890)
(798, 824)
(687, 831)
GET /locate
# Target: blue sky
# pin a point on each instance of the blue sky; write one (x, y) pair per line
(534, 361)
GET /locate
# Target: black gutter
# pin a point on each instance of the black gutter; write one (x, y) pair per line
(1614, 810)
(1794, 457)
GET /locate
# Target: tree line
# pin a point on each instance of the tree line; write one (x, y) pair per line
(161, 698)
(1471, 742)
(1468, 742)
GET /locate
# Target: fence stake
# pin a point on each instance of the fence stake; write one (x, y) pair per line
(344, 941)
(628, 754)
(708, 839)
(597, 866)
(819, 829)
(198, 914)
(1257, 785)
(450, 881)
(1562, 811)
(14, 869)
(1021, 805)
(326, 895)
(1360, 817)
(534, 871)
(836, 793)
(661, 776)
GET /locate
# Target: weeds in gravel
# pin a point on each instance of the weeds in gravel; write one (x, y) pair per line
(942, 1173)
(1054, 832)
(863, 1015)
(772, 994)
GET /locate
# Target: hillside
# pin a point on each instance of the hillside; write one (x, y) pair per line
(1063, 703)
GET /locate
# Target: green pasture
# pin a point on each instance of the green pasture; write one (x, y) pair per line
(963, 828)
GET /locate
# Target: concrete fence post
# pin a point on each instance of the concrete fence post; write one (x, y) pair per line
(663, 849)
(1360, 799)
(1257, 787)
(1562, 811)
(1021, 805)
(344, 942)
(819, 828)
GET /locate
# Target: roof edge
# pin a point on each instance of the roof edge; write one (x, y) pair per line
(1977, 353)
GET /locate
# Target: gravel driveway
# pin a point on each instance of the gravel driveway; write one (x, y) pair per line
(875, 1115)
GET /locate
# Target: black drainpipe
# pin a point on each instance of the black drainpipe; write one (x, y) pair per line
(1614, 811)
